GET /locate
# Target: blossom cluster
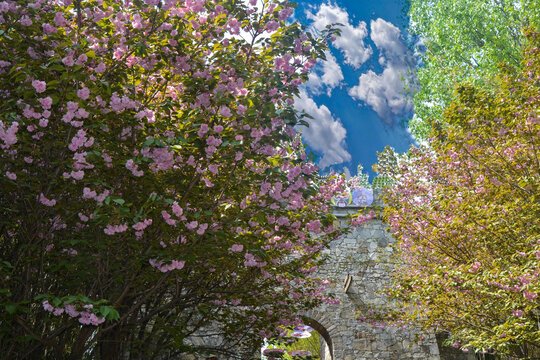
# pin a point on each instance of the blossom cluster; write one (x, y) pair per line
(464, 212)
(86, 316)
(161, 135)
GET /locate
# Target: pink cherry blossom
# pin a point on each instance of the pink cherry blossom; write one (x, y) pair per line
(101, 68)
(236, 248)
(83, 93)
(191, 225)
(177, 210)
(48, 307)
(68, 61)
(241, 109)
(46, 102)
(218, 128)
(40, 86)
(45, 201)
(135, 143)
(202, 228)
(49, 29)
(272, 26)
(225, 111)
(59, 19)
(203, 130)
(81, 59)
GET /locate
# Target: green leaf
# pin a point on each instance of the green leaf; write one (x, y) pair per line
(105, 310)
(119, 201)
(57, 67)
(11, 308)
(148, 142)
(113, 314)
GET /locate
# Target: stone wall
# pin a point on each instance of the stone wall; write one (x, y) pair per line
(360, 256)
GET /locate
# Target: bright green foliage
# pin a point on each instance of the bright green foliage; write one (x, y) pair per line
(311, 344)
(387, 162)
(464, 40)
(361, 178)
(466, 213)
(296, 349)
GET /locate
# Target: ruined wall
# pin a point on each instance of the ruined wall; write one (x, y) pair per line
(358, 255)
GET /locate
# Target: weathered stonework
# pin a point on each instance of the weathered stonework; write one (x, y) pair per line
(360, 255)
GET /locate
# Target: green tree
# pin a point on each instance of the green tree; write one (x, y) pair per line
(464, 41)
(153, 189)
(465, 211)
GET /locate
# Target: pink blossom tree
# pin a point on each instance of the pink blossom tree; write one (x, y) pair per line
(465, 211)
(152, 181)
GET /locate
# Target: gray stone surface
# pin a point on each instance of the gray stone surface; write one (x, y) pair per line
(361, 254)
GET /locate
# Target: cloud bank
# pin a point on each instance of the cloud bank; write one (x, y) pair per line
(351, 41)
(325, 76)
(325, 134)
(385, 92)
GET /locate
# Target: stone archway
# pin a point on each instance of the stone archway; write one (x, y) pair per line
(327, 349)
(357, 270)
(321, 323)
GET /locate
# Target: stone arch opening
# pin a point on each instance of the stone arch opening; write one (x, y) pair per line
(327, 349)
(310, 336)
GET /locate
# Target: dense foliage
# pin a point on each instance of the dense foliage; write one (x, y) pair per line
(463, 41)
(466, 211)
(153, 189)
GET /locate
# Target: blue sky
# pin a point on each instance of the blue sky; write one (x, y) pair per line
(357, 96)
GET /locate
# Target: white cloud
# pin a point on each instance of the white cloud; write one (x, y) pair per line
(385, 92)
(326, 74)
(314, 83)
(351, 41)
(332, 74)
(387, 38)
(325, 134)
